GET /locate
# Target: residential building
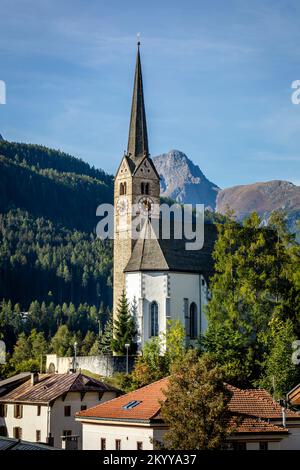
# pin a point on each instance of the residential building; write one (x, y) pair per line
(133, 421)
(42, 409)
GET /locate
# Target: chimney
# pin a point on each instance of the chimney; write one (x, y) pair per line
(34, 378)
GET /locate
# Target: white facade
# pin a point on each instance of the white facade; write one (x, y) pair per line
(174, 294)
(51, 419)
(130, 436)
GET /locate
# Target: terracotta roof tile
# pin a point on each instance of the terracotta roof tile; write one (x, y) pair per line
(149, 396)
(252, 407)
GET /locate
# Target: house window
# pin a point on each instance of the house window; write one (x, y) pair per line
(18, 411)
(103, 443)
(145, 188)
(193, 321)
(38, 410)
(118, 444)
(67, 410)
(17, 433)
(83, 408)
(3, 431)
(67, 432)
(263, 446)
(3, 410)
(38, 435)
(139, 445)
(154, 319)
(239, 446)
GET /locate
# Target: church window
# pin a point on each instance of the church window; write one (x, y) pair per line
(193, 321)
(154, 318)
(145, 188)
(123, 188)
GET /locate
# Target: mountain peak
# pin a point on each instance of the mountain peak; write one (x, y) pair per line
(183, 181)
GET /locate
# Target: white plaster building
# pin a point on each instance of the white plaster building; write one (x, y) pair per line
(42, 409)
(133, 421)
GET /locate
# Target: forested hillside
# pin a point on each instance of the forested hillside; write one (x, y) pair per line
(48, 249)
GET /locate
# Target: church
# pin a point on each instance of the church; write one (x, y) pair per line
(161, 279)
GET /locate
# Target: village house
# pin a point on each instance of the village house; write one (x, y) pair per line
(42, 409)
(133, 421)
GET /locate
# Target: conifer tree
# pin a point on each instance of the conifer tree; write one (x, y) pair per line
(124, 328)
(105, 342)
(251, 285)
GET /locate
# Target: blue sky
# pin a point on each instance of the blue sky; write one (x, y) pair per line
(217, 81)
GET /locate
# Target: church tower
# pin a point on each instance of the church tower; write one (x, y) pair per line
(136, 186)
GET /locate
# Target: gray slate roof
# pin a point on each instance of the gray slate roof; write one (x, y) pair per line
(151, 253)
(12, 382)
(9, 443)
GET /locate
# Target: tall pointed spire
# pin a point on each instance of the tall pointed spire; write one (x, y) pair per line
(138, 138)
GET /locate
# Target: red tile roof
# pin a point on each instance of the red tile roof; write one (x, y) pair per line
(253, 406)
(257, 402)
(149, 396)
(51, 386)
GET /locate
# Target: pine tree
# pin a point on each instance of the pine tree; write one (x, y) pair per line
(124, 328)
(105, 341)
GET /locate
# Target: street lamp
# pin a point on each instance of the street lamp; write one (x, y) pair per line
(75, 355)
(127, 346)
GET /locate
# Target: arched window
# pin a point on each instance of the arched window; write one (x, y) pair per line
(146, 188)
(154, 319)
(193, 321)
(142, 188)
(123, 188)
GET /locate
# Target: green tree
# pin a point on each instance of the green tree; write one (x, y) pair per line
(22, 349)
(105, 342)
(158, 355)
(62, 342)
(124, 328)
(249, 287)
(280, 374)
(196, 406)
(87, 343)
(39, 346)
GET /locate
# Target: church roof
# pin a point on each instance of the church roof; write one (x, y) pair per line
(138, 137)
(151, 253)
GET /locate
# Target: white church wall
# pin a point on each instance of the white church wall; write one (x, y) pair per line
(187, 286)
(169, 291)
(147, 287)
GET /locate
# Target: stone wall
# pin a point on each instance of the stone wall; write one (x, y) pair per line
(102, 365)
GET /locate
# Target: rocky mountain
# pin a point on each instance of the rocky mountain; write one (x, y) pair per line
(183, 181)
(263, 198)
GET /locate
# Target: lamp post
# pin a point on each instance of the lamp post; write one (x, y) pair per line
(127, 346)
(75, 355)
